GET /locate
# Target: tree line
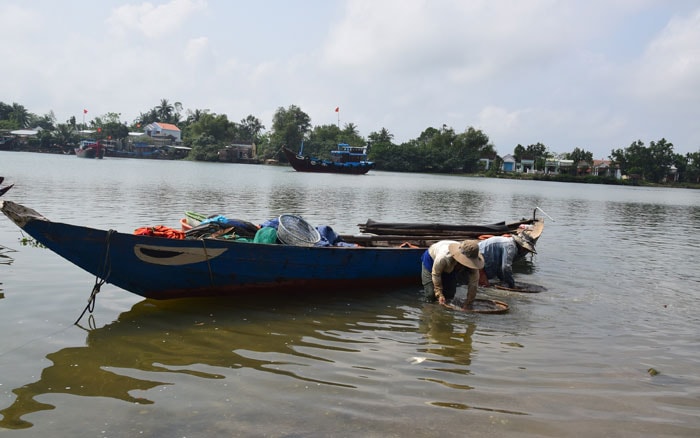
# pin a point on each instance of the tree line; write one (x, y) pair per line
(435, 150)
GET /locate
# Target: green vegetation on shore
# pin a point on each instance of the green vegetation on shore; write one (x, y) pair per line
(442, 150)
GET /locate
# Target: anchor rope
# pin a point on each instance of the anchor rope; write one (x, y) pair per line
(206, 255)
(100, 279)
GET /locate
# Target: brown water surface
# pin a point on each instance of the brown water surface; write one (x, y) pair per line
(610, 348)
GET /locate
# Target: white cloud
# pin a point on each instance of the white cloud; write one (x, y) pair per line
(597, 75)
(670, 66)
(196, 49)
(153, 21)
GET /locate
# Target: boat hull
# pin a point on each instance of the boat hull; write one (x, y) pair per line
(93, 150)
(160, 268)
(85, 153)
(315, 165)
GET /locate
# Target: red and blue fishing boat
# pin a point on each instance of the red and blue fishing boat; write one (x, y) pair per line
(344, 159)
(90, 149)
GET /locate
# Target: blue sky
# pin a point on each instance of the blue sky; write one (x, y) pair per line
(597, 75)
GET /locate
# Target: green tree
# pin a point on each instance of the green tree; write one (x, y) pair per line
(165, 111)
(380, 147)
(194, 116)
(692, 170)
(469, 147)
(204, 148)
(651, 163)
(381, 137)
(519, 152)
(661, 158)
(289, 127)
(109, 126)
(46, 122)
(65, 136)
(582, 159)
(216, 126)
(321, 140)
(250, 129)
(538, 152)
(19, 116)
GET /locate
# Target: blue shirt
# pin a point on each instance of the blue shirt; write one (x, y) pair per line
(499, 253)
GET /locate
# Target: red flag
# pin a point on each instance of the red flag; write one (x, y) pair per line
(84, 111)
(337, 109)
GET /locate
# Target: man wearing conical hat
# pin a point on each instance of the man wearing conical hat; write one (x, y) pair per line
(445, 264)
(499, 254)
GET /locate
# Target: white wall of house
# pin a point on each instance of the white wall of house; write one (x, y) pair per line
(157, 129)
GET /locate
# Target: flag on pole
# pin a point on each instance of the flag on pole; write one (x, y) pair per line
(337, 109)
(84, 111)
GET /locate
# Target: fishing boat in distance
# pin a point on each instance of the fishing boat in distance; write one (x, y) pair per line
(90, 149)
(344, 159)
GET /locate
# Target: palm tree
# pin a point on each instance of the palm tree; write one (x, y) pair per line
(65, 135)
(196, 115)
(165, 110)
(383, 136)
(350, 130)
(19, 115)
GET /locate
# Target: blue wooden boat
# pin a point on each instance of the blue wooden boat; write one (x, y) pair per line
(345, 159)
(160, 268)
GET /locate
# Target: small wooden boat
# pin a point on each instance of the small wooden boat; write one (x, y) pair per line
(161, 268)
(345, 159)
(403, 230)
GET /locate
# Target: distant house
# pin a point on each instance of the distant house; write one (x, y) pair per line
(163, 130)
(551, 166)
(27, 132)
(601, 168)
(672, 174)
(488, 161)
(527, 164)
(508, 163)
(238, 152)
(605, 168)
(565, 166)
(558, 166)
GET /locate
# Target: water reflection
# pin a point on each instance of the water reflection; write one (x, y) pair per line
(5, 257)
(319, 341)
(446, 339)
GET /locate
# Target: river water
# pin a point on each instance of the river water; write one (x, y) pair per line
(611, 348)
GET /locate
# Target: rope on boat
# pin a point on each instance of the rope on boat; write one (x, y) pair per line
(100, 279)
(206, 255)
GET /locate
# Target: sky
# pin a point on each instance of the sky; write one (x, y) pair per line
(593, 74)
